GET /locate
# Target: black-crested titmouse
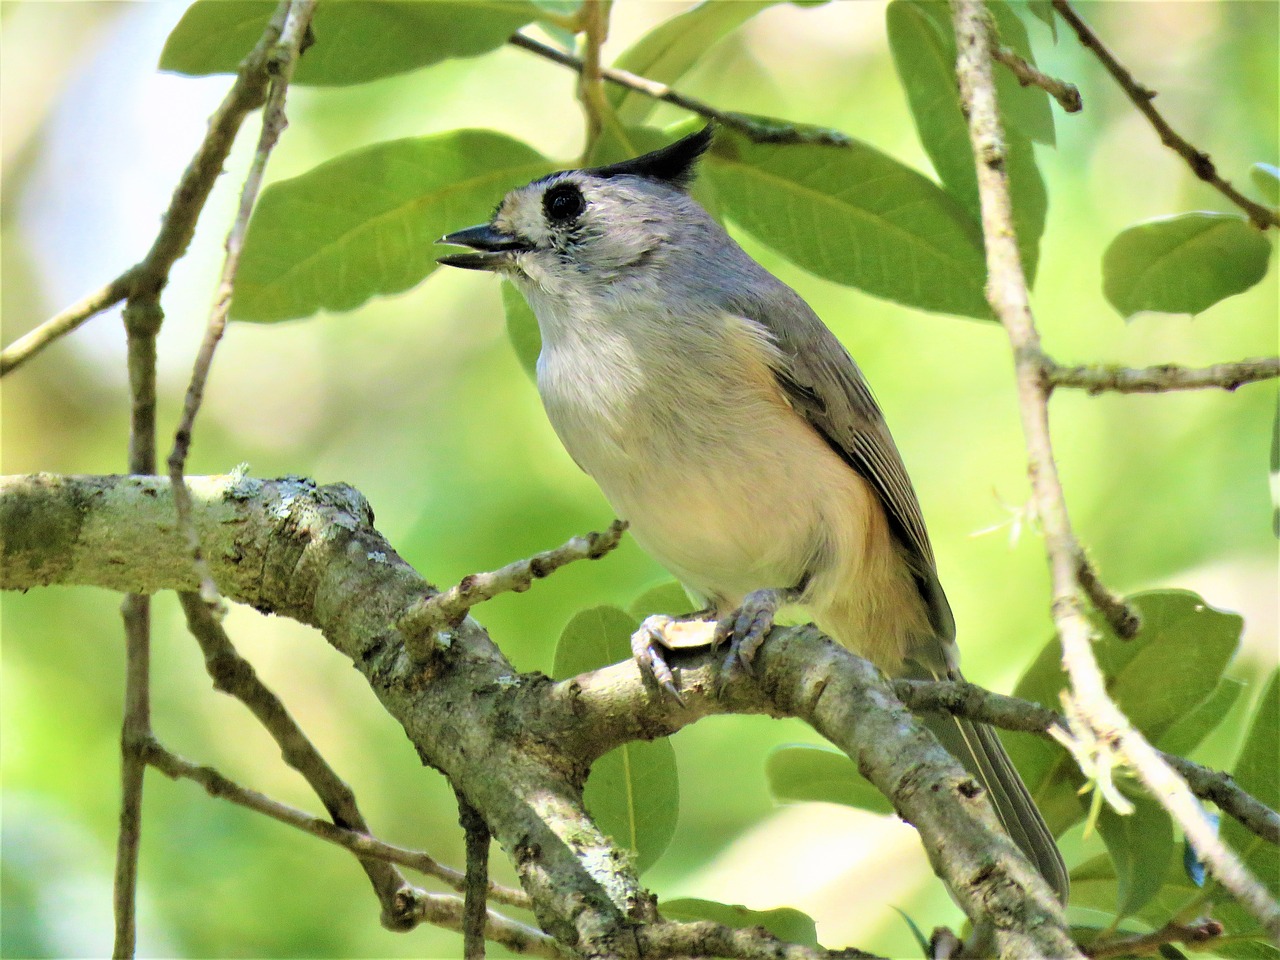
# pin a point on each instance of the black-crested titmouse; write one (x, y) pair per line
(728, 425)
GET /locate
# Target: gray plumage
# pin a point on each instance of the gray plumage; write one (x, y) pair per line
(730, 427)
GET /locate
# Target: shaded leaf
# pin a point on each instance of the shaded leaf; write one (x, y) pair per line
(801, 773)
(1094, 886)
(366, 223)
(671, 48)
(593, 638)
(522, 328)
(633, 792)
(1189, 730)
(1141, 847)
(923, 46)
(1042, 10)
(1266, 177)
(785, 923)
(1183, 264)
(1172, 666)
(1256, 773)
(921, 940)
(1259, 949)
(355, 40)
(856, 216)
(668, 597)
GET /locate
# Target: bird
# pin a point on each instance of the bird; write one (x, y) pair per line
(735, 434)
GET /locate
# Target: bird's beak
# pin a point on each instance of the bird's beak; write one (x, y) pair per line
(494, 248)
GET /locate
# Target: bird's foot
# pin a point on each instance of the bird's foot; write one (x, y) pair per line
(745, 629)
(659, 633)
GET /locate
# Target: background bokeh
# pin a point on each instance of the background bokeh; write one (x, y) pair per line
(419, 402)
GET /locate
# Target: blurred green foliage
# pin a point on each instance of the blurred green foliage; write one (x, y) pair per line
(419, 401)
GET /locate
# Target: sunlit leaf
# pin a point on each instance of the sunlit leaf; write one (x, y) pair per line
(522, 328)
(923, 46)
(1266, 177)
(856, 216)
(1258, 949)
(355, 40)
(1042, 10)
(633, 792)
(921, 940)
(800, 773)
(785, 923)
(367, 222)
(1026, 110)
(1183, 264)
(1163, 674)
(1141, 847)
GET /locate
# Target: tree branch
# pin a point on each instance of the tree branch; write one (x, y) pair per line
(1067, 94)
(59, 325)
(447, 609)
(1007, 294)
(756, 129)
(1163, 378)
(517, 745)
(1199, 162)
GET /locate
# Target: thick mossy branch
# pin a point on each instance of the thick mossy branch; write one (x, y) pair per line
(518, 745)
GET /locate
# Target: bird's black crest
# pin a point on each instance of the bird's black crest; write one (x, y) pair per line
(673, 164)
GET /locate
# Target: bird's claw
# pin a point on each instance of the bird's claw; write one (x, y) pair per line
(745, 629)
(647, 645)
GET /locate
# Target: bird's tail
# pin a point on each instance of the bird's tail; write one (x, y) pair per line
(979, 749)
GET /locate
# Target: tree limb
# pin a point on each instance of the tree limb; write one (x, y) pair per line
(1007, 294)
(1163, 378)
(1141, 98)
(518, 745)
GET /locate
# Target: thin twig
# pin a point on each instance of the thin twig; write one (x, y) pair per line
(1166, 377)
(594, 15)
(135, 731)
(1201, 934)
(1067, 94)
(361, 844)
(756, 129)
(1141, 96)
(1007, 294)
(449, 607)
(1011, 713)
(444, 910)
(145, 280)
(476, 833)
(59, 325)
(283, 57)
(235, 676)
(1122, 618)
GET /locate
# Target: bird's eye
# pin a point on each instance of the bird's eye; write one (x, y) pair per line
(563, 203)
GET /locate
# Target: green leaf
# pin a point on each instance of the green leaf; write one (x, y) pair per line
(355, 40)
(1275, 471)
(1163, 674)
(797, 774)
(633, 792)
(921, 940)
(1183, 264)
(1266, 177)
(366, 223)
(1141, 846)
(855, 216)
(670, 49)
(666, 597)
(1025, 110)
(522, 328)
(785, 923)
(593, 638)
(923, 46)
(1255, 773)
(1189, 730)
(1094, 886)
(1042, 10)
(1246, 949)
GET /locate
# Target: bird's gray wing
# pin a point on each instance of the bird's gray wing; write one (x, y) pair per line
(826, 387)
